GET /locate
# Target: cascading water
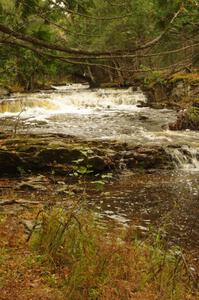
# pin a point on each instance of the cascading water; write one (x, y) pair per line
(185, 158)
(103, 114)
(71, 100)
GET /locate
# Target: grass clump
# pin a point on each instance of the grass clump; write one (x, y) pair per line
(89, 262)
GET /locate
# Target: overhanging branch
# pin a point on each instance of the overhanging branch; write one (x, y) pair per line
(43, 44)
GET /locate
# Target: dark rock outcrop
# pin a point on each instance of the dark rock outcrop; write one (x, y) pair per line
(60, 155)
(146, 158)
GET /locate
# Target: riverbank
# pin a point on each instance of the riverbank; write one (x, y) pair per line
(178, 91)
(68, 255)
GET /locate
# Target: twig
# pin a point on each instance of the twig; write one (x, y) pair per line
(17, 121)
(34, 226)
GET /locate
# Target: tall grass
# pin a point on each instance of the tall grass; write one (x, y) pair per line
(97, 264)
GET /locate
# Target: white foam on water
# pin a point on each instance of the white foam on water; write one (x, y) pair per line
(185, 158)
(72, 102)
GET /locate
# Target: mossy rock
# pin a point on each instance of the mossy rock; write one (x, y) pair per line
(60, 155)
(3, 135)
(12, 141)
(57, 145)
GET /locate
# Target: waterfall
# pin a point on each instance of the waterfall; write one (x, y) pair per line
(71, 99)
(105, 114)
(186, 157)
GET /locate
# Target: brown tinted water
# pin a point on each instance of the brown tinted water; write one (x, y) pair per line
(169, 198)
(164, 198)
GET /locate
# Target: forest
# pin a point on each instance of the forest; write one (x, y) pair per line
(99, 149)
(105, 40)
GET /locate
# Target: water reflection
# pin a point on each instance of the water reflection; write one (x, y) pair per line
(168, 199)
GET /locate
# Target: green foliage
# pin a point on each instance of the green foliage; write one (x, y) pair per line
(93, 25)
(153, 77)
(102, 180)
(20, 66)
(81, 169)
(7, 5)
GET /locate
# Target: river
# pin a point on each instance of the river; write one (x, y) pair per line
(169, 197)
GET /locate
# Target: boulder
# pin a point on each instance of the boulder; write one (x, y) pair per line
(97, 163)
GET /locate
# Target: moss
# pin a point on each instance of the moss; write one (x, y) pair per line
(189, 77)
(154, 78)
(61, 144)
(193, 114)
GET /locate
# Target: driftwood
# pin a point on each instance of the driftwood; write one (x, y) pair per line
(20, 202)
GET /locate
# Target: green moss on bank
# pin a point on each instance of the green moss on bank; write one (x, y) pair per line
(188, 77)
